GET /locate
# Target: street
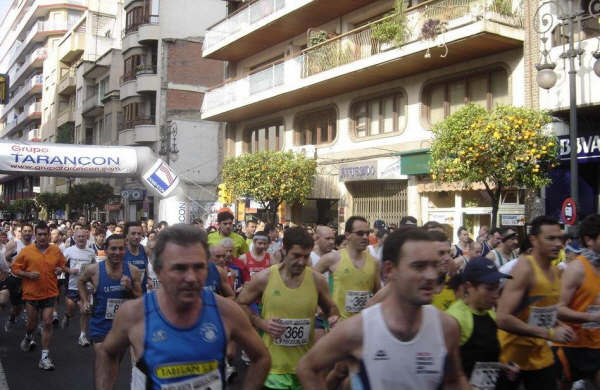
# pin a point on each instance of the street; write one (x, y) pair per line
(74, 364)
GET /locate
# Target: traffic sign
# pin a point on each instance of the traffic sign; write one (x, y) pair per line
(569, 211)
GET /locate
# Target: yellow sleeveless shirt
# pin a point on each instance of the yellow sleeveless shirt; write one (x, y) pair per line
(352, 287)
(538, 309)
(296, 308)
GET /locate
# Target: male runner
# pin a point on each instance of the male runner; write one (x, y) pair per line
(403, 342)
(99, 245)
(527, 310)
(179, 332)
(13, 282)
(257, 259)
(250, 230)
(504, 252)
(494, 237)
(114, 281)
(290, 293)
(237, 272)
(324, 243)
(216, 279)
(225, 221)
(78, 257)
(354, 272)
(135, 253)
(579, 307)
(37, 265)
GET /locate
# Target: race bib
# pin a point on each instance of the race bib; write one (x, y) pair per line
(356, 300)
(592, 325)
(297, 332)
(155, 283)
(208, 381)
(485, 375)
(138, 379)
(543, 317)
(112, 307)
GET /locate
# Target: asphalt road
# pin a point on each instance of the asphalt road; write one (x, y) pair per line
(74, 364)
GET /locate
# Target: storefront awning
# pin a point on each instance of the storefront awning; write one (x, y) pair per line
(415, 162)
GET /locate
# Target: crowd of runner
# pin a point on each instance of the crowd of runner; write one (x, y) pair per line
(379, 307)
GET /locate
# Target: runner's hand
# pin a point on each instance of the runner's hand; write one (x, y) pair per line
(333, 320)
(58, 270)
(86, 307)
(274, 328)
(126, 282)
(563, 334)
(511, 370)
(74, 271)
(33, 275)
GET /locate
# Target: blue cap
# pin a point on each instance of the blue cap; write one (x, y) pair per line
(574, 247)
(482, 270)
(379, 224)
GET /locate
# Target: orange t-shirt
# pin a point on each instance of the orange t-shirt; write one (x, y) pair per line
(31, 259)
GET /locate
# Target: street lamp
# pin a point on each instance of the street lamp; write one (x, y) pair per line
(546, 78)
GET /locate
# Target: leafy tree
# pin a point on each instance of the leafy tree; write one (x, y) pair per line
(505, 148)
(26, 207)
(270, 178)
(89, 196)
(51, 201)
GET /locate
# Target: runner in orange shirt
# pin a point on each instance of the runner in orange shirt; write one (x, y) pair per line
(38, 264)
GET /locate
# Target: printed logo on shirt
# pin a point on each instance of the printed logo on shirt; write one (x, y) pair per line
(424, 363)
(158, 336)
(276, 293)
(381, 355)
(209, 332)
(170, 371)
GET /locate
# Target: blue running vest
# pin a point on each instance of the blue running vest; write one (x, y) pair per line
(213, 279)
(108, 297)
(140, 261)
(183, 358)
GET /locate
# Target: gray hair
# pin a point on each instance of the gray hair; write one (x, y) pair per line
(181, 235)
(227, 242)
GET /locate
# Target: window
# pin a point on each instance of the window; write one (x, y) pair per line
(316, 128)
(103, 87)
(130, 67)
(89, 136)
(379, 115)
(79, 96)
(134, 18)
(131, 113)
(488, 89)
(265, 137)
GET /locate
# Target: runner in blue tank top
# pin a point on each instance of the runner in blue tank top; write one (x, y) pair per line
(135, 253)
(216, 281)
(114, 282)
(179, 332)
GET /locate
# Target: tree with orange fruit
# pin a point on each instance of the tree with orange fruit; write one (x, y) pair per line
(506, 148)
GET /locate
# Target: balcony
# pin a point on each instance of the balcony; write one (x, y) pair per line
(33, 61)
(33, 135)
(31, 87)
(30, 113)
(146, 79)
(66, 85)
(65, 116)
(264, 23)
(140, 130)
(127, 86)
(93, 106)
(71, 48)
(149, 31)
(38, 33)
(355, 60)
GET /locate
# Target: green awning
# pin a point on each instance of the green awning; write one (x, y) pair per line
(415, 162)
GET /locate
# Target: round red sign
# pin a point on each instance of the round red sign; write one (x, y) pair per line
(569, 211)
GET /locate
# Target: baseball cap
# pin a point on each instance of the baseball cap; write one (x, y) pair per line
(574, 247)
(482, 270)
(379, 224)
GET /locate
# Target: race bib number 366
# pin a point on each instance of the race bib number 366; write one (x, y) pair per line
(297, 332)
(112, 307)
(543, 317)
(356, 301)
(485, 375)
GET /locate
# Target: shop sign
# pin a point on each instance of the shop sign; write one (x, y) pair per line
(512, 220)
(588, 147)
(364, 170)
(442, 218)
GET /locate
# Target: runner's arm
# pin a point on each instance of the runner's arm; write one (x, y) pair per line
(377, 285)
(326, 262)
(512, 295)
(343, 342)
(380, 296)
(571, 280)
(226, 289)
(136, 281)
(242, 332)
(454, 376)
(10, 250)
(252, 291)
(85, 277)
(325, 302)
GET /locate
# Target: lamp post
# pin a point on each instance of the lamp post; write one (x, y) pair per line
(546, 19)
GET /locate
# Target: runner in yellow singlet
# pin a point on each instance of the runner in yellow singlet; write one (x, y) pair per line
(527, 310)
(353, 271)
(290, 293)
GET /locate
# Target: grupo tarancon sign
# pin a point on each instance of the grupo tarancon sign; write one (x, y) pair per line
(66, 160)
(588, 147)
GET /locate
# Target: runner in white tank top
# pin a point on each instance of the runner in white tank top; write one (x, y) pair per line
(401, 343)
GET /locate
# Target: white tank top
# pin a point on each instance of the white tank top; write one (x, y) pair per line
(388, 363)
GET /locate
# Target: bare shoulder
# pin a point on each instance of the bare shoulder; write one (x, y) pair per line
(132, 311)
(262, 277)
(450, 327)
(522, 269)
(228, 308)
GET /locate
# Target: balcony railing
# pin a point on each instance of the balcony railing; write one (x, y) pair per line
(22, 91)
(15, 73)
(35, 108)
(353, 46)
(39, 27)
(92, 101)
(242, 19)
(126, 77)
(133, 27)
(145, 69)
(139, 121)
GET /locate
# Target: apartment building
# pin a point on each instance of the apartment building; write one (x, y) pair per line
(161, 90)
(29, 34)
(308, 76)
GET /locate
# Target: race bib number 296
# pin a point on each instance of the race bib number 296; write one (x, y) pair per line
(485, 375)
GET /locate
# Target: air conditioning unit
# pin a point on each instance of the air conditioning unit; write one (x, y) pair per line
(309, 151)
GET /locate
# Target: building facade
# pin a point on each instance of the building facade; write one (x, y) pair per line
(309, 76)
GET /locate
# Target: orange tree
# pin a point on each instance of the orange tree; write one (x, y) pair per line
(270, 178)
(508, 147)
